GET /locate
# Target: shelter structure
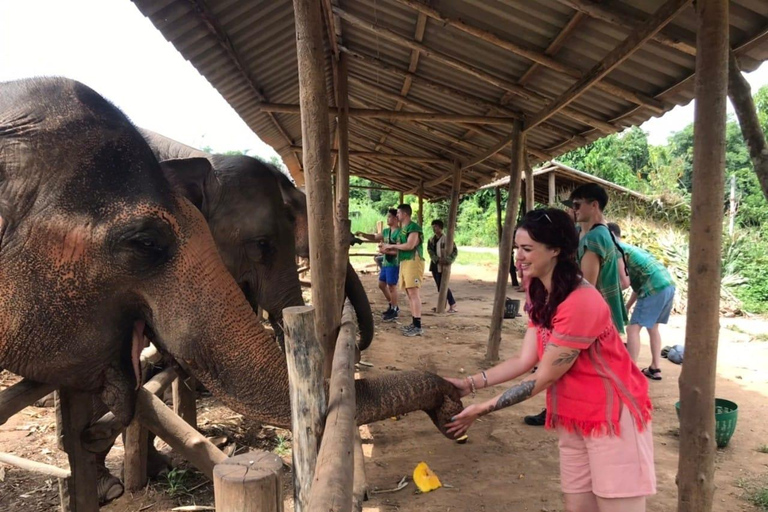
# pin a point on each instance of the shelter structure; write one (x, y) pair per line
(441, 98)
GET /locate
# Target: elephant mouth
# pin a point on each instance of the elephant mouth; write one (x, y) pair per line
(141, 337)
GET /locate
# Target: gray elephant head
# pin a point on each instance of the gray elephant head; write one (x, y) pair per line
(258, 219)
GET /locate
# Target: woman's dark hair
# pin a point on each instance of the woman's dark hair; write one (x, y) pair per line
(555, 229)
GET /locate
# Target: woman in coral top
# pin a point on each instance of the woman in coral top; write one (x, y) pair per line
(597, 399)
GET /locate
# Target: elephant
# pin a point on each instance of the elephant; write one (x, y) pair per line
(100, 252)
(258, 219)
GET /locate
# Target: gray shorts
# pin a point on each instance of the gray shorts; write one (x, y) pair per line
(654, 309)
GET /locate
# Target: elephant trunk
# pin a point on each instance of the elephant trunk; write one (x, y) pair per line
(355, 291)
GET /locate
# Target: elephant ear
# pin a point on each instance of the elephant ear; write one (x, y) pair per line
(296, 202)
(192, 177)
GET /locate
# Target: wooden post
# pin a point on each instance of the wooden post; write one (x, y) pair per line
(442, 296)
(421, 204)
(74, 411)
(308, 403)
(316, 145)
(498, 213)
(334, 473)
(552, 190)
(697, 380)
(530, 199)
(505, 248)
(249, 482)
(343, 225)
(185, 397)
(732, 207)
(135, 460)
(402, 198)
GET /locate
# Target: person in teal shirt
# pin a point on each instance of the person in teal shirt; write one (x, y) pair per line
(390, 267)
(653, 291)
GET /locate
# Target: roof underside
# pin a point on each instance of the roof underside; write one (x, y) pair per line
(490, 58)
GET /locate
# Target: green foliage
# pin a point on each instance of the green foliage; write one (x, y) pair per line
(755, 490)
(283, 446)
(177, 481)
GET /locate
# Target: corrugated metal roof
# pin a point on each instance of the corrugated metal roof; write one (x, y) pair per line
(247, 51)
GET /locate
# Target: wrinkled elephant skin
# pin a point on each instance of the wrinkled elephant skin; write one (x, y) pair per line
(96, 245)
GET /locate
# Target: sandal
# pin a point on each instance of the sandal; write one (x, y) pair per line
(453, 310)
(652, 373)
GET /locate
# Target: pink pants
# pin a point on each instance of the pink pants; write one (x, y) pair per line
(608, 466)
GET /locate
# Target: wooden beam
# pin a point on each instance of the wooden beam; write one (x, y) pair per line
(21, 395)
(317, 169)
(498, 214)
(33, 466)
(614, 17)
(505, 248)
(530, 200)
(308, 401)
(445, 279)
(514, 88)
(555, 45)
(334, 472)
(696, 469)
(394, 115)
(741, 98)
(489, 153)
(420, 218)
(209, 20)
(535, 56)
(74, 411)
(616, 57)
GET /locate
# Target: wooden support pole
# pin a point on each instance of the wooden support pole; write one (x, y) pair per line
(498, 214)
(135, 461)
(316, 143)
(696, 468)
(421, 204)
(22, 394)
(177, 433)
(401, 198)
(74, 411)
(35, 467)
(442, 295)
(505, 248)
(308, 403)
(530, 200)
(185, 397)
(552, 195)
(343, 224)
(334, 473)
(616, 57)
(741, 98)
(249, 482)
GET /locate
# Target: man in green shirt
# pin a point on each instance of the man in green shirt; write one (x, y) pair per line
(598, 254)
(410, 254)
(654, 291)
(390, 267)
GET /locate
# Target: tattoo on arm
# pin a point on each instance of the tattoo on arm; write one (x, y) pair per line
(515, 395)
(566, 358)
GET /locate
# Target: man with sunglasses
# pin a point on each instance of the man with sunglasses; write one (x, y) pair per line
(599, 255)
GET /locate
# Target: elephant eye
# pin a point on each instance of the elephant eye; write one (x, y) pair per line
(143, 246)
(258, 248)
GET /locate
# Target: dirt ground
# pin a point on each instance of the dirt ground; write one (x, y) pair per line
(505, 465)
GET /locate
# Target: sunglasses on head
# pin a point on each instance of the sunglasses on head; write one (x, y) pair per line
(537, 215)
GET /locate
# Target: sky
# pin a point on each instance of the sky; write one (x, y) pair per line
(111, 47)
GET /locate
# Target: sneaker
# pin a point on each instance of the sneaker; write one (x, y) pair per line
(413, 331)
(537, 420)
(389, 308)
(391, 315)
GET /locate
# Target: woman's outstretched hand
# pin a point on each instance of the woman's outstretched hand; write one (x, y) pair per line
(461, 384)
(461, 422)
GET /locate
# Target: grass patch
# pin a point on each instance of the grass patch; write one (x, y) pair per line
(477, 258)
(177, 482)
(763, 448)
(283, 446)
(755, 491)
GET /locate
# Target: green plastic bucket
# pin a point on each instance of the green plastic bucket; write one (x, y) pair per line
(726, 414)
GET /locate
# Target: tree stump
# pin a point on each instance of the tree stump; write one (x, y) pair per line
(249, 483)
